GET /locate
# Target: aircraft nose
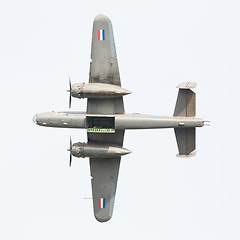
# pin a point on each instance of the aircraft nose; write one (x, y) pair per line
(35, 119)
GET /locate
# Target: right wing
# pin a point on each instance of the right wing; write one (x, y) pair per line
(104, 172)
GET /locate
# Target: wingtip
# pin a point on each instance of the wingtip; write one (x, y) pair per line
(102, 220)
(102, 18)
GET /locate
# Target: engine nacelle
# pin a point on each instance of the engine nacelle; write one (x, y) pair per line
(97, 90)
(98, 150)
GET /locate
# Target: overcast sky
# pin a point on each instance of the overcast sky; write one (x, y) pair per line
(159, 44)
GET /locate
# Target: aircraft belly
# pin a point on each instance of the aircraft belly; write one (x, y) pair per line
(122, 121)
(153, 122)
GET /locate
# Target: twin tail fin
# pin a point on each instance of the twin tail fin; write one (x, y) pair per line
(186, 107)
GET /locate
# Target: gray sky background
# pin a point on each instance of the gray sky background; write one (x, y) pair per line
(159, 44)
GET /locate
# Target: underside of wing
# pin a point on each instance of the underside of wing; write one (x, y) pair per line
(104, 66)
(104, 172)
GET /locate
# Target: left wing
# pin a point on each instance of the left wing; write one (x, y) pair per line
(104, 65)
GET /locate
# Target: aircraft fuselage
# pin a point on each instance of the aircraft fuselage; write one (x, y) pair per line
(120, 121)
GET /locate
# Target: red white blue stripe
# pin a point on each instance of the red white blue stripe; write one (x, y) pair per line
(101, 202)
(101, 35)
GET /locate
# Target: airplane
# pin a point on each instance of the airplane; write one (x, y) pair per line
(106, 121)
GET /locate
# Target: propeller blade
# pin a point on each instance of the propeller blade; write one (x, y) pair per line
(70, 96)
(70, 161)
(70, 149)
(70, 85)
(70, 101)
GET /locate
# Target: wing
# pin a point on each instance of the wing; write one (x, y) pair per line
(104, 174)
(104, 66)
(104, 69)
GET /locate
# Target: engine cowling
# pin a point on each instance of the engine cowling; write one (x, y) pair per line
(97, 150)
(97, 90)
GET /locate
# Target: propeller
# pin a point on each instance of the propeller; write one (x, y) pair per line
(70, 150)
(70, 90)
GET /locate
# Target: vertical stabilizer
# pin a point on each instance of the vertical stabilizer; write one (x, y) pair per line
(186, 100)
(186, 107)
(186, 141)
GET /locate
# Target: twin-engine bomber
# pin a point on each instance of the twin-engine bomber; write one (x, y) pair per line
(106, 120)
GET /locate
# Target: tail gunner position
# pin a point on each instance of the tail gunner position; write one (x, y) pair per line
(106, 120)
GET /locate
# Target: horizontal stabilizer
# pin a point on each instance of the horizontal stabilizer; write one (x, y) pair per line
(186, 101)
(186, 141)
